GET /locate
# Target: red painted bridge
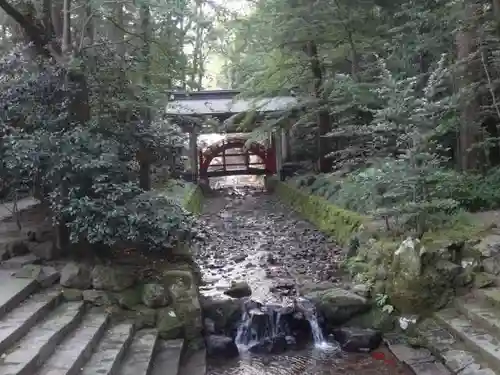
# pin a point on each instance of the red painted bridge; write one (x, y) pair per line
(235, 156)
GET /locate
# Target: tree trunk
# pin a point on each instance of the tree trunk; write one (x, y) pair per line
(471, 157)
(144, 154)
(324, 125)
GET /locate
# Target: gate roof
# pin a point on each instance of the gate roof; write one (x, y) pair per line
(222, 104)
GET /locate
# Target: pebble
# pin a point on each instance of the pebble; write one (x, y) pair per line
(258, 234)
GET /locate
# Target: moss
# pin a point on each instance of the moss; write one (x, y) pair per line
(187, 194)
(330, 219)
(193, 200)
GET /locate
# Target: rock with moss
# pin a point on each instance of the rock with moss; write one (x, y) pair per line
(188, 310)
(113, 279)
(169, 325)
(98, 297)
(224, 312)
(375, 318)
(129, 298)
(155, 295)
(338, 305)
(76, 275)
(144, 317)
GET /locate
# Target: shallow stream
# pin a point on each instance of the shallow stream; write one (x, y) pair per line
(254, 238)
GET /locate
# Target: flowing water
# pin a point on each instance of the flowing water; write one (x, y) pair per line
(258, 240)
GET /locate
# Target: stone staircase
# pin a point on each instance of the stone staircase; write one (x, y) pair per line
(41, 334)
(466, 336)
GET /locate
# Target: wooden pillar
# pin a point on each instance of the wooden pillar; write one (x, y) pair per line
(193, 153)
(279, 153)
(284, 144)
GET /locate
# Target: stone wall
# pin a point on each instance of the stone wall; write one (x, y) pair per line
(150, 290)
(165, 297)
(410, 275)
(330, 219)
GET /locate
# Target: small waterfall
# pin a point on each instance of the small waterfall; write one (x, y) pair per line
(319, 339)
(309, 311)
(274, 328)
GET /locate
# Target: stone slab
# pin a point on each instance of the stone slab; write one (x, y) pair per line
(490, 296)
(138, 360)
(39, 344)
(167, 358)
(111, 350)
(485, 316)
(19, 262)
(475, 338)
(14, 291)
(451, 350)
(409, 355)
(77, 348)
(196, 364)
(430, 368)
(20, 320)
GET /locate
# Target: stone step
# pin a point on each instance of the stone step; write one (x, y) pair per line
(476, 339)
(167, 357)
(77, 347)
(195, 364)
(20, 320)
(480, 313)
(491, 296)
(451, 351)
(41, 341)
(138, 359)
(14, 291)
(110, 352)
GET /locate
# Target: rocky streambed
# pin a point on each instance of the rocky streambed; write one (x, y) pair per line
(274, 296)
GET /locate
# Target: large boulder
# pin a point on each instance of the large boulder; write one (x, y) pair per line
(113, 279)
(76, 276)
(155, 295)
(353, 339)
(221, 346)
(338, 305)
(225, 313)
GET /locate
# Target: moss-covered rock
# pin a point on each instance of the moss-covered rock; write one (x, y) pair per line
(144, 317)
(129, 298)
(337, 305)
(168, 324)
(155, 295)
(330, 219)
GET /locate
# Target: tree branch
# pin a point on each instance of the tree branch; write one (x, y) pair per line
(35, 33)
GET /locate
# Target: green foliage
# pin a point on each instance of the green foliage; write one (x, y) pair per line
(81, 134)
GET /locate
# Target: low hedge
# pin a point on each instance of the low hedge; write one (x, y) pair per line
(328, 218)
